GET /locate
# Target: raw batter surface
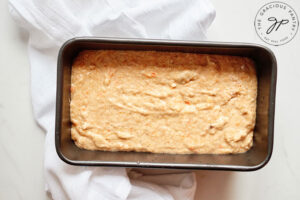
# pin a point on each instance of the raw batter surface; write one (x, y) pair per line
(163, 102)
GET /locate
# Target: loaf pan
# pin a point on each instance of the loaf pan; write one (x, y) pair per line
(257, 157)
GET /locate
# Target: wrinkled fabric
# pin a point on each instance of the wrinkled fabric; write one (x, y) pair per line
(50, 24)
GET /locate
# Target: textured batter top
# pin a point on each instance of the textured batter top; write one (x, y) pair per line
(163, 102)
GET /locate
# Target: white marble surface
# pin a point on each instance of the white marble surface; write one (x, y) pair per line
(22, 141)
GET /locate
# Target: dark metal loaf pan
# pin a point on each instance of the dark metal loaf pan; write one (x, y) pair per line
(254, 159)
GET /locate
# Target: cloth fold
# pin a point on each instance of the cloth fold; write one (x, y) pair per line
(50, 23)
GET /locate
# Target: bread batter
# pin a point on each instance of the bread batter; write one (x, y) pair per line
(163, 102)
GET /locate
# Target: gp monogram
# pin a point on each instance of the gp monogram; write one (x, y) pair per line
(276, 23)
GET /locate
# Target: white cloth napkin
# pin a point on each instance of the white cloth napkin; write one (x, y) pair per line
(50, 23)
